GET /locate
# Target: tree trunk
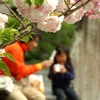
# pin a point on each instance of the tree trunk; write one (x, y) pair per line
(85, 54)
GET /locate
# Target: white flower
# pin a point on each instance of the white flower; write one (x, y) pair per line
(38, 13)
(89, 6)
(61, 6)
(3, 19)
(74, 17)
(51, 24)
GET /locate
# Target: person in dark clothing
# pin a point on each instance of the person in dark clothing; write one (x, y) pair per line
(61, 73)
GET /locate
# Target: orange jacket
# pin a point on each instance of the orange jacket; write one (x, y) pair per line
(19, 69)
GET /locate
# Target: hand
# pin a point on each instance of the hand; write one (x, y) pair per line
(63, 69)
(59, 69)
(54, 71)
(46, 63)
(56, 68)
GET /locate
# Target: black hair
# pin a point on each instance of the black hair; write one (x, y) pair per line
(63, 49)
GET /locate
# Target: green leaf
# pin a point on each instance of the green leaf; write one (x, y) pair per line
(40, 2)
(30, 36)
(25, 39)
(10, 56)
(10, 3)
(8, 34)
(28, 2)
(13, 22)
(5, 37)
(4, 68)
(33, 2)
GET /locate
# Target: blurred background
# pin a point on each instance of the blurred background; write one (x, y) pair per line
(83, 40)
(49, 41)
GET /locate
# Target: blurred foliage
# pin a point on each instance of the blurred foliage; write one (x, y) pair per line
(10, 3)
(48, 43)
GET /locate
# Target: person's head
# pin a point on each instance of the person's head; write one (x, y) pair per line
(62, 54)
(33, 42)
(63, 57)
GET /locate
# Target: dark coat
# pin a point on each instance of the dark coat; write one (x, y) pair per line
(61, 80)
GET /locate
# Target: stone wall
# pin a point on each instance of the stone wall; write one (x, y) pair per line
(3, 8)
(85, 54)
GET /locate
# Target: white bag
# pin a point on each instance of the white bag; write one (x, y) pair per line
(6, 84)
(36, 81)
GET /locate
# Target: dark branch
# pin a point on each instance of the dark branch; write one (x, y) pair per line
(18, 37)
(7, 14)
(67, 13)
(13, 13)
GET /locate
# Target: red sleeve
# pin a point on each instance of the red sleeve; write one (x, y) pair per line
(19, 68)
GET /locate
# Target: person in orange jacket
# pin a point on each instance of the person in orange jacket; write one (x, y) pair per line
(19, 69)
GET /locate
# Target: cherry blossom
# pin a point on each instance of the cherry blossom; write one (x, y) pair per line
(76, 16)
(49, 15)
(3, 19)
(61, 6)
(38, 13)
(51, 24)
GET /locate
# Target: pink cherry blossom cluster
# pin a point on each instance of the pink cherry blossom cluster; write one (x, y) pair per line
(92, 9)
(38, 13)
(94, 12)
(50, 22)
(3, 19)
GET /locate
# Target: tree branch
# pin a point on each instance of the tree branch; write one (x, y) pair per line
(7, 14)
(16, 38)
(67, 5)
(29, 24)
(75, 3)
(67, 13)
(13, 13)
